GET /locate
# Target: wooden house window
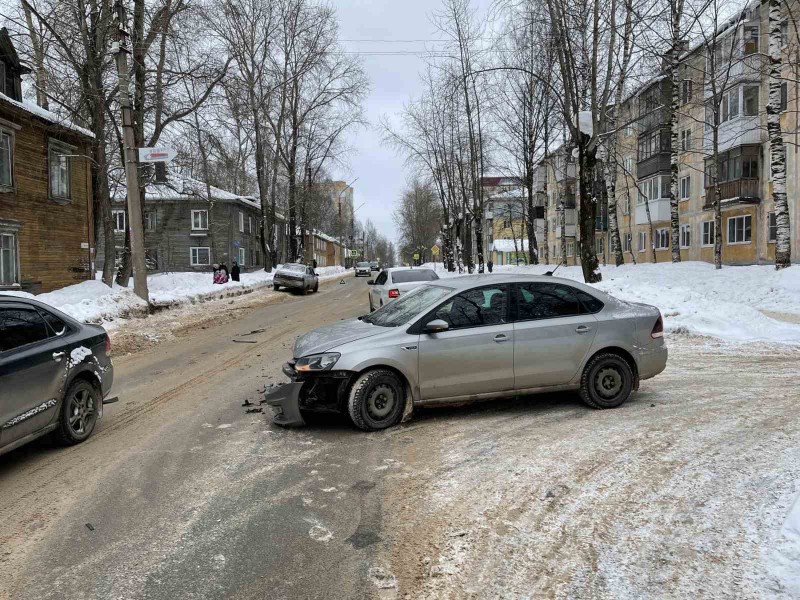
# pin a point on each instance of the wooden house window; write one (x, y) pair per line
(119, 220)
(6, 159)
(200, 220)
(8, 259)
(59, 165)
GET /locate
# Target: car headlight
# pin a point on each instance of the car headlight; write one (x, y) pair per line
(317, 362)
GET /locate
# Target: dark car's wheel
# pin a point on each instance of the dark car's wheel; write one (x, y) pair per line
(276, 287)
(607, 381)
(377, 400)
(78, 413)
(316, 286)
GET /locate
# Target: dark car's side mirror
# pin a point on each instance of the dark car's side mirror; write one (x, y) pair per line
(436, 326)
(371, 282)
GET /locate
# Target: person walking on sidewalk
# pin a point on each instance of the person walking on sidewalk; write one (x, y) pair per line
(235, 270)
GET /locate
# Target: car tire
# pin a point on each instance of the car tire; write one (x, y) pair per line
(78, 414)
(316, 287)
(276, 287)
(377, 400)
(607, 381)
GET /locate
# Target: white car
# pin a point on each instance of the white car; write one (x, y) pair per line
(391, 283)
(363, 268)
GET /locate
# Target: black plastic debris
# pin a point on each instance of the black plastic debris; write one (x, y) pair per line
(254, 410)
(245, 341)
(247, 403)
(90, 527)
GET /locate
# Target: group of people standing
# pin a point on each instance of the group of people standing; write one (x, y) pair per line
(221, 274)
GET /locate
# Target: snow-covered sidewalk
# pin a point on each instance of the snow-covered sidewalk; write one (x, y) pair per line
(93, 301)
(737, 304)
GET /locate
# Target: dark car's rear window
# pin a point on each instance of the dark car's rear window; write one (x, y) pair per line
(414, 275)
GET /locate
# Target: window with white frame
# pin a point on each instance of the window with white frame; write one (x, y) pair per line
(653, 189)
(662, 239)
(8, 259)
(570, 248)
(626, 204)
(6, 159)
(200, 256)
(119, 220)
(740, 229)
(784, 33)
(772, 228)
(629, 129)
(241, 222)
(686, 236)
(59, 165)
(686, 139)
(199, 220)
(150, 220)
(242, 256)
(642, 241)
(626, 243)
(730, 105)
(686, 91)
(708, 233)
(627, 164)
(685, 187)
(599, 246)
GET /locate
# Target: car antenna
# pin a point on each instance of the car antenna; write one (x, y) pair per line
(550, 273)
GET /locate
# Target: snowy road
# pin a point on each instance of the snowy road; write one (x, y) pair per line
(682, 492)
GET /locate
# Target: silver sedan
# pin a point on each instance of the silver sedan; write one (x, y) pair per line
(470, 338)
(295, 276)
(392, 283)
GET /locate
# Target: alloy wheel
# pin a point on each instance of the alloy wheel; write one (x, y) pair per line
(82, 411)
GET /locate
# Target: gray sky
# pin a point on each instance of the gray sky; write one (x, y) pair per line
(393, 79)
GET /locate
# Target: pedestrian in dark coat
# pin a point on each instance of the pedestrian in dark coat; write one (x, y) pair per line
(490, 264)
(235, 271)
(314, 263)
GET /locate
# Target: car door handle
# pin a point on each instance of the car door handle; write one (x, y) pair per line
(57, 356)
(500, 338)
(583, 329)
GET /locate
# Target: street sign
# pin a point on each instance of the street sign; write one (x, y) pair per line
(236, 243)
(159, 154)
(355, 252)
(435, 250)
(416, 255)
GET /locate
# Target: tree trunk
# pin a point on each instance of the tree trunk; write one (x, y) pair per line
(674, 59)
(586, 214)
(40, 73)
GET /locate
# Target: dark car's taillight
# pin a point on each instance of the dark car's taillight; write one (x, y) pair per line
(394, 293)
(658, 328)
(108, 345)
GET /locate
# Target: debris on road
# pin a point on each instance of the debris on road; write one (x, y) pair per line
(90, 527)
(254, 410)
(247, 403)
(245, 341)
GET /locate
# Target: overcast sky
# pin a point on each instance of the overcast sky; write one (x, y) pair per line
(393, 80)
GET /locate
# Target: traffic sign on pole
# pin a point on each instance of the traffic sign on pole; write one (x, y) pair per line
(435, 250)
(159, 154)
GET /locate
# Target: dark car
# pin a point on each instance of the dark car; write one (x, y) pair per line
(55, 374)
(374, 266)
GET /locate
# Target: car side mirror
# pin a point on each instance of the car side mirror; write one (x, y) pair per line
(436, 326)
(371, 282)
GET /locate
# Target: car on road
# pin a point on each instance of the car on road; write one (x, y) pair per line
(295, 276)
(394, 282)
(374, 265)
(363, 268)
(471, 338)
(55, 374)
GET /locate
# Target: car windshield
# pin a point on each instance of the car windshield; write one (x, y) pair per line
(363, 264)
(414, 275)
(294, 268)
(401, 311)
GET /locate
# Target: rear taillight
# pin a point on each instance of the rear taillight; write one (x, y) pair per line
(658, 328)
(394, 293)
(108, 346)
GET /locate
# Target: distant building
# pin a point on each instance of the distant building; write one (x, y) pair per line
(46, 234)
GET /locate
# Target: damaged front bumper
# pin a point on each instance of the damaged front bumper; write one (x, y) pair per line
(285, 402)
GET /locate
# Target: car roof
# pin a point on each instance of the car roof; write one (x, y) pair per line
(393, 269)
(470, 281)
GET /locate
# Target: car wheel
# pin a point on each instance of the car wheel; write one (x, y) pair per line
(377, 400)
(316, 287)
(607, 381)
(78, 413)
(276, 287)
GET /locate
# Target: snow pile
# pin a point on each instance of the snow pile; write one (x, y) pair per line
(785, 565)
(93, 301)
(696, 298)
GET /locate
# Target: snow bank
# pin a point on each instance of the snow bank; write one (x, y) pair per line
(93, 301)
(785, 564)
(696, 298)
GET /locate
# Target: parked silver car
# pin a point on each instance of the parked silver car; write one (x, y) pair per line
(295, 276)
(474, 337)
(392, 283)
(363, 268)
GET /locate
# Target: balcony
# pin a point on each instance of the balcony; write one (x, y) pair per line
(659, 211)
(569, 230)
(736, 132)
(738, 191)
(657, 163)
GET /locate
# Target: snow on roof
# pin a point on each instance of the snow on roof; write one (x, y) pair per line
(46, 115)
(180, 187)
(511, 194)
(508, 245)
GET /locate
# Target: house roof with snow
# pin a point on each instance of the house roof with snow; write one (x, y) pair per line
(46, 116)
(181, 187)
(508, 246)
(512, 194)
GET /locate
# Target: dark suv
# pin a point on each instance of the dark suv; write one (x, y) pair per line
(55, 374)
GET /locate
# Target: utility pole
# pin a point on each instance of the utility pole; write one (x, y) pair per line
(131, 165)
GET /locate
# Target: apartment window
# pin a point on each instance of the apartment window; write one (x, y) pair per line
(626, 205)
(150, 221)
(686, 139)
(200, 256)
(686, 187)
(59, 162)
(199, 220)
(784, 96)
(119, 220)
(506, 223)
(730, 105)
(6, 159)
(8, 259)
(708, 233)
(686, 236)
(686, 91)
(629, 129)
(750, 39)
(739, 230)
(772, 228)
(642, 241)
(737, 163)
(662, 239)
(242, 256)
(750, 100)
(249, 224)
(241, 222)
(570, 248)
(785, 33)
(627, 164)
(599, 247)
(653, 189)
(626, 244)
